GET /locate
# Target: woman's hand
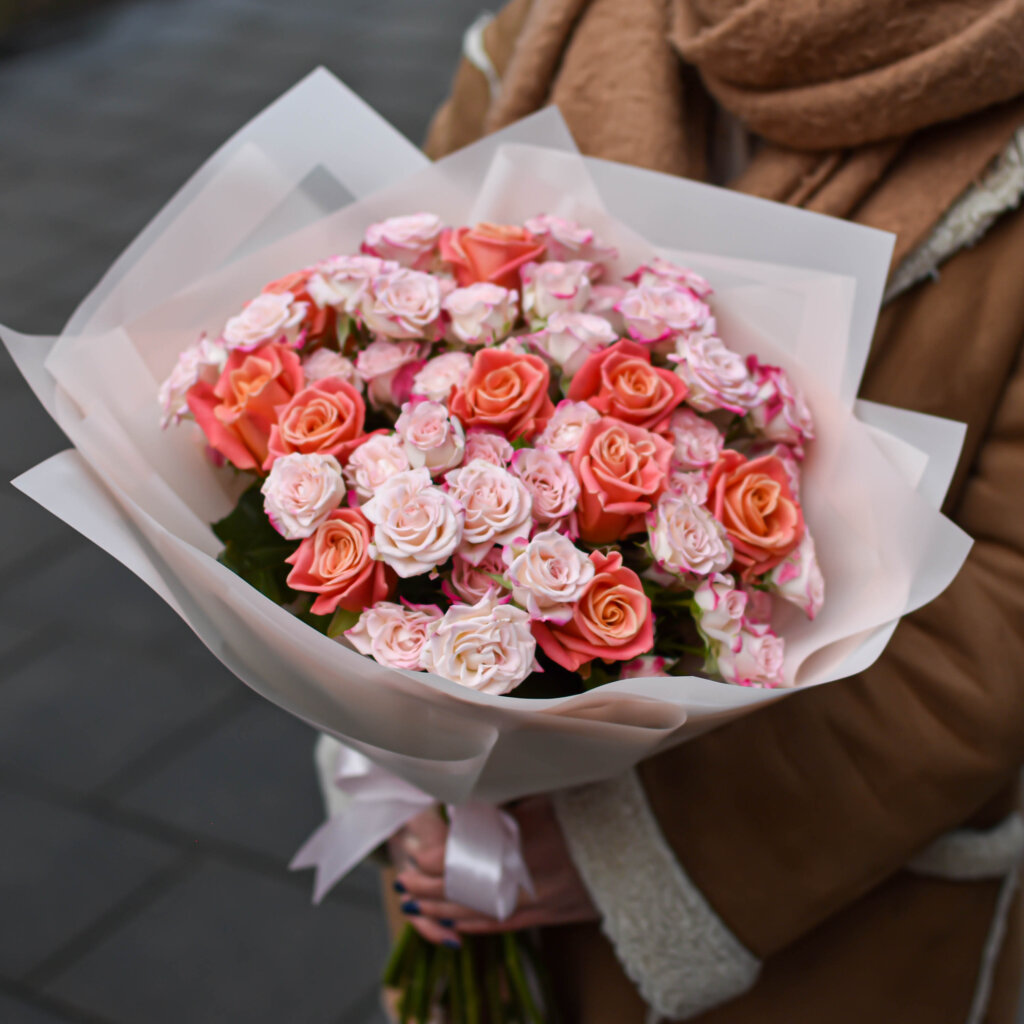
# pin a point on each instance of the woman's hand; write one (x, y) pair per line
(417, 851)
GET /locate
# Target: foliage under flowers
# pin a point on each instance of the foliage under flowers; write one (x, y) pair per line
(571, 474)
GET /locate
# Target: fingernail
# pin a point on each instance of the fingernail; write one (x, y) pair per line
(410, 907)
(452, 943)
(446, 922)
(398, 887)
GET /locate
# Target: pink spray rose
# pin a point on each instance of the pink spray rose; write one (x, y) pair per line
(566, 240)
(569, 338)
(552, 484)
(780, 413)
(481, 313)
(549, 574)
(404, 304)
(554, 287)
(488, 445)
(395, 634)
(301, 491)
(378, 458)
(344, 282)
(471, 582)
(335, 563)
(202, 361)
(696, 441)
(716, 376)
(686, 538)
(410, 241)
(430, 437)
(389, 369)
(497, 507)
(653, 312)
(565, 428)
(438, 375)
(797, 578)
(754, 659)
(265, 318)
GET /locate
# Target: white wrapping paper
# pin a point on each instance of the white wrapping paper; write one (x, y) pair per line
(288, 189)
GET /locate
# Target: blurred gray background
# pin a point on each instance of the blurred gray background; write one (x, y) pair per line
(149, 804)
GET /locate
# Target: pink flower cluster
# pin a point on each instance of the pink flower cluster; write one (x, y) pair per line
(562, 458)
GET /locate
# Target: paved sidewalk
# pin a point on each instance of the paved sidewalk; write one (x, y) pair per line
(149, 803)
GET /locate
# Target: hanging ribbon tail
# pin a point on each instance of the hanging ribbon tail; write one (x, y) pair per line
(377, 805)
(483, 863)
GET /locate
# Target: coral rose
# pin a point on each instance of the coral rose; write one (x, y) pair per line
(239, 412)
(326, 417)
(490, 252)
(753, 501)
(622, 471)
(620, 381)
(335, 564)
(507, 391)
(612, 619)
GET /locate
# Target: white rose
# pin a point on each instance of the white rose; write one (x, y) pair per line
(389, 368)
(798, 578)
(377, 459)
(481, 314)
(485, 444)
(686, 538)
(720, 608)
(569, 338)
(265, 318)
(471, 582)
(417, 526)
(486, 646)
(660, 271)
(301, 491)
(404, 304)
(202, 361)
(430, 437)
(439, 375)
(756, 658)
(410, 241)
(395, 634)
(498, 507)
(552, 287)
(345, 281)
(325, 362)
(652, 312)
(548, 576)
(566, 425)
(566, 240)
(551, 482)
(716, 377)
(696, 441)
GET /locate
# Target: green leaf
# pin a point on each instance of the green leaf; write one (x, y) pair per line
(343, 619)
(520, 442)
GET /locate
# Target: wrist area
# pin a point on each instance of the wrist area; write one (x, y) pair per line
(673, 946)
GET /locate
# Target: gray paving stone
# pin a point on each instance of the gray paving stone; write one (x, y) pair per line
(251, 783)
(61, 870)
(230, 945)
(17, 1011)
(28, 432)
(84, 712)
(26, 529)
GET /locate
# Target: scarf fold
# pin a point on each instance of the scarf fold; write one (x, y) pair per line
(880, 111)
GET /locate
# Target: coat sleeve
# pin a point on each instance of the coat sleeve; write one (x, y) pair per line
(782, 818)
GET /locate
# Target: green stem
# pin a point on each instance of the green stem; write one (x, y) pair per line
(518, 977)
(426, 995)
(492, 982)
(456, 1000)
(393, 971)
(469, 988)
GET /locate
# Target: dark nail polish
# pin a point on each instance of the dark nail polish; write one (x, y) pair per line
(397, 885)
(410, 907)
(452, 944)
(446, 922)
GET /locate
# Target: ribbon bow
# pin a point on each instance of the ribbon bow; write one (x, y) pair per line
(483, 864)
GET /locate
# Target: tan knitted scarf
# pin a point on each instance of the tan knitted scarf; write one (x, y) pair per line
(835, 90)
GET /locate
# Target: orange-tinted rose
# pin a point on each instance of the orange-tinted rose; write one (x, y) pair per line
(507, 391)
(326, 417)
(612, 619)
(335, 564)
(489, 252)
(238, 413)
(318, 318)
(753, 501)
(619, 381)
(622, 471)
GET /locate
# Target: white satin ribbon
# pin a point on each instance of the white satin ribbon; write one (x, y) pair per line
(484, 866)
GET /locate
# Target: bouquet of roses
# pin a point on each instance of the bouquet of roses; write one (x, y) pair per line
(565, 472)
(546, 488)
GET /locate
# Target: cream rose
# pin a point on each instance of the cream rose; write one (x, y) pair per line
(497, 505)
(686, 538)
(430, 437)
(551, 482)
(566, 426)
(417, 526)
(410, 241)
(300, 491)
(480, 314)
(548, 575)
(486, 646)
(404, 304)
(395, 634)
(436, 378)
(378, 458)
(265, 318)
